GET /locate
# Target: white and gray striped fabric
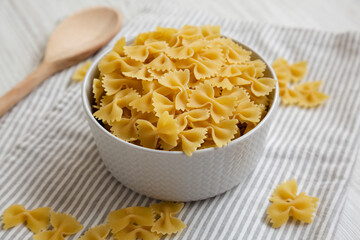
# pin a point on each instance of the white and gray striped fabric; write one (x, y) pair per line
(57, 164)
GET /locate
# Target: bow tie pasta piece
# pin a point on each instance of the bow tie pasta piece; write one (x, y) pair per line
(298, 71)
(126, 127)
(233, 52)
(98, 91)
(282, 70)
(164, 34)
(259, 86)
(156, 46)
(182, 52)
(114, 82)
(259, 68)
(202, 68)
(36, 219)
(210, 32)
(157, 74)
(309, 96)
(145, 102)
(286, 203)
(245, 110)
(227, 82)
(289, 96)
(80, 73)
(191, 116)
(162, 63)
(119, 47)
(166, 130)
(190, 32)
(230, 71)
(284, 191)
(220, 107)
(63, 224)
(192, 139)
(141, 73)
(134, 232)
(290, 73)
(162, 104)
(141, 52)
(137, 52)
(113, 61)
(112, 106)
(301, 208)
(177, 81)
(167, 223)
(96, 233)
(221, 133)
(119, 219)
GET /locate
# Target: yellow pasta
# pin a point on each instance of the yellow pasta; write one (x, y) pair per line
(80, 72)
(177, 81)
(204, 97)
(134, 232)
(96, 233)
(181, 89)
(221, 133)
(309, 96)
(286, 203)
(63, 225)
(166, 130)
(304, 95)
(290, 73)
(118, 220)
(167, 223)
(36, 220)
(112, 106)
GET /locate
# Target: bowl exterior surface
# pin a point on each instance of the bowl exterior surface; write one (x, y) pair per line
(177, 177)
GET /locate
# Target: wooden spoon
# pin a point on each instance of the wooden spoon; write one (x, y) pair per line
(73, 40)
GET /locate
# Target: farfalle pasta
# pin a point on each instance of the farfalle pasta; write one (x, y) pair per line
(286, 203)
(80, 72)
(63, 225)
(166, 222)
(183, 89)
(303, 95)
(36, 220)
(97, 233)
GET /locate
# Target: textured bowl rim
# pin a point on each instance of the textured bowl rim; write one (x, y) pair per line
(87, 108)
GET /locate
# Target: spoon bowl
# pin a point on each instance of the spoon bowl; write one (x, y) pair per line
(74, 39)
(82, 34)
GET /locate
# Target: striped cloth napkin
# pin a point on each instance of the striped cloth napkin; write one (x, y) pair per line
(56, 163)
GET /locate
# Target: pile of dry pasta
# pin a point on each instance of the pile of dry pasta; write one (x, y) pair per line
(181, 89)
(147, 223)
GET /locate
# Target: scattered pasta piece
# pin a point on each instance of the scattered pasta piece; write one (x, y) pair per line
(63, 224)
(134, 232)
(304, 95)
(168, 73)
(290, 73)
(286, 203)
(118, 220)
(80, 72)
(289, 96)
(96, 233)
(36, 219)
(309, 96)
(167, 223)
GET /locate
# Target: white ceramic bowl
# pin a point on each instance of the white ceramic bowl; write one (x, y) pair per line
(172, 175)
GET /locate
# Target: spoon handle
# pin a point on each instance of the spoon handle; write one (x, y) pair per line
(22, 89)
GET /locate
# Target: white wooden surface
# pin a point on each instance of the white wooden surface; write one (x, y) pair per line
(22, 24)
